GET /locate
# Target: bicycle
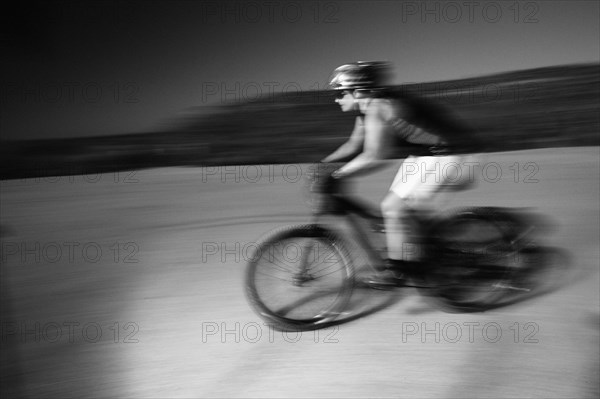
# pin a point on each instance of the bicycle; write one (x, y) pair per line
(469, 259)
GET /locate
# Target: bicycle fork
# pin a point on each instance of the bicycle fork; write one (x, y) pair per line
(303, 275)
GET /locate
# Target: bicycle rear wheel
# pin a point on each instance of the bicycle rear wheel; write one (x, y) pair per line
(299, 277)
(471, 261)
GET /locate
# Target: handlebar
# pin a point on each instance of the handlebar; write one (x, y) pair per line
(320, 180)
(323, 189)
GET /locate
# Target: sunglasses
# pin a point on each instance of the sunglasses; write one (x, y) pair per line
(342, 93)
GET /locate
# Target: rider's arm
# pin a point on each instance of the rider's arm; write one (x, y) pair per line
(350, 148)
(377, 145)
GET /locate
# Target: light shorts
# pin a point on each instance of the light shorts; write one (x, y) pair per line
(420, 177)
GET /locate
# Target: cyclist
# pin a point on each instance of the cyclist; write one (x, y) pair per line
(387, 121)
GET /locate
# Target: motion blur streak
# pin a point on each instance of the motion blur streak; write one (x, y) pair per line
(545, 107)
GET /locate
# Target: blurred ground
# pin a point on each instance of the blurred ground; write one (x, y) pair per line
(130, 284)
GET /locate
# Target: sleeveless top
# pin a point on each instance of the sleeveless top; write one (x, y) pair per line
(429, 128)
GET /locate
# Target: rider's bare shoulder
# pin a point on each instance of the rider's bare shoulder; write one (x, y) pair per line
(383, 109)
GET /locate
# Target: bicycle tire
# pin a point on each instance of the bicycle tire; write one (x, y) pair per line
(467, 275)
(326, 285)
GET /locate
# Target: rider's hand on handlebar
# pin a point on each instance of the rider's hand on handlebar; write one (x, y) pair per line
(321, 179)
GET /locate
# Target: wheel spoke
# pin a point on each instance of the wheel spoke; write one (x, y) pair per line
(298, 277)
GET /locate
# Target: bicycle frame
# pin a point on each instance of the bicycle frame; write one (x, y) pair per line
(353, 210)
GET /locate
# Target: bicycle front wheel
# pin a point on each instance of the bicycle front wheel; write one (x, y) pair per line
(299, 277)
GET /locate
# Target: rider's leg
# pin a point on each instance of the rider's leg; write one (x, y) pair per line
(396, 207)
(395, 210)
(398, 227)
(413, 189)
(418, 179)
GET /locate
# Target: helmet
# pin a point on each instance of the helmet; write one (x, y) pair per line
(361, 75)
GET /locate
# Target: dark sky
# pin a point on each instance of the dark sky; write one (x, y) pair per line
(94, 68)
